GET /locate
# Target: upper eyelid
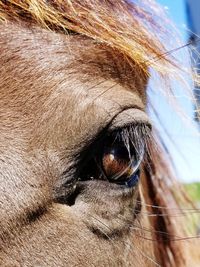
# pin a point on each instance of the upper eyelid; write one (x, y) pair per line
(128, 117)
(135, 131)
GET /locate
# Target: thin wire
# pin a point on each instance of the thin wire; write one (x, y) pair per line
(169, 52)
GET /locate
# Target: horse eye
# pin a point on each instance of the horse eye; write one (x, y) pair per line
(115, 158)
(121, 165)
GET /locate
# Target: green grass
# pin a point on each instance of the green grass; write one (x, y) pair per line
(193, 190)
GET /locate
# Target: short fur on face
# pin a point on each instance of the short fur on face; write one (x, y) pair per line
(70, 78)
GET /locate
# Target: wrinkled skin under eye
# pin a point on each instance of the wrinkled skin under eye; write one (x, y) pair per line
(114, 157)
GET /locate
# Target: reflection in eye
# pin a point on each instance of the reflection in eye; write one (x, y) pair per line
(121, 165)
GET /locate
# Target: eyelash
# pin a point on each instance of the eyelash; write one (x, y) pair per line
(135, 136)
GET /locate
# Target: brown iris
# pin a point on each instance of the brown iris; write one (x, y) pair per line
(118, 164)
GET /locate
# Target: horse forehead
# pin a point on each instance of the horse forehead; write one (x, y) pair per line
(33, 52)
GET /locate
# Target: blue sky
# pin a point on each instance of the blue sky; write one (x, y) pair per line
(176, 11)
(185, 144)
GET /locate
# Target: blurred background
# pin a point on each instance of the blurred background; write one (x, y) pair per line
(183, 141)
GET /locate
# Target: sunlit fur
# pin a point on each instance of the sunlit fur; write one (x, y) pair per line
(128, 38)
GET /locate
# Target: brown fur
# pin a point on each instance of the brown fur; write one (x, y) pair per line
(58, 92)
